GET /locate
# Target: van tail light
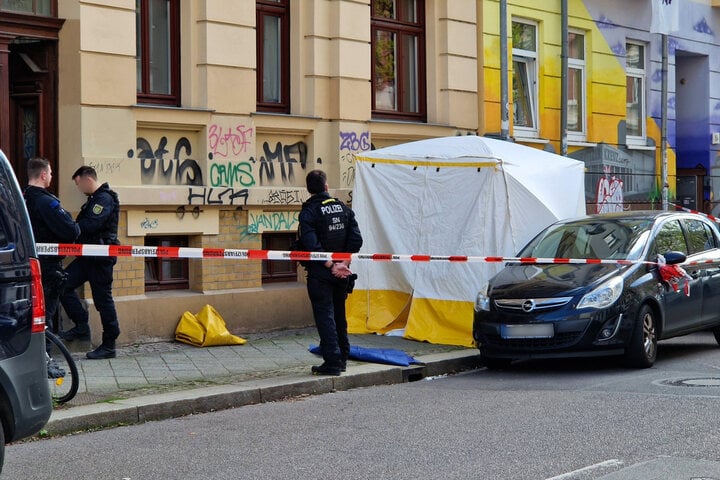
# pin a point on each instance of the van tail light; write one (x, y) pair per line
(38, 299)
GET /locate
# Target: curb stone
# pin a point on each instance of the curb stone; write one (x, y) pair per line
(176, 404)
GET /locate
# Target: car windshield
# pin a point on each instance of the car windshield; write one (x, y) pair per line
(610, 239)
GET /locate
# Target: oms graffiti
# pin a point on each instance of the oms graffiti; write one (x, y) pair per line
(157, 169)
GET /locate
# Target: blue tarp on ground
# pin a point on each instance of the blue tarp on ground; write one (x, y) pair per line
(388, 356)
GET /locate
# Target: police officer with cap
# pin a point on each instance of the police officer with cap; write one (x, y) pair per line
(328, 225)
(50, 224)
(98, 220)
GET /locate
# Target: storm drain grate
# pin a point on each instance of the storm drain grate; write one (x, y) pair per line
(692, 382)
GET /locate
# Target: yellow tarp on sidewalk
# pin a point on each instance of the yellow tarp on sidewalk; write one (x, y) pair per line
(206, 329)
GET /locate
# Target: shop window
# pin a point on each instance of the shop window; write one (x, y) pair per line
(157, 25)
(524, 81)
(398, 63)
(278, 270)
(273, 56)
(166, 273)
(635, 76)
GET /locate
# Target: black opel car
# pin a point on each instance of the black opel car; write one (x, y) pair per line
(567, 310)
(25, 402)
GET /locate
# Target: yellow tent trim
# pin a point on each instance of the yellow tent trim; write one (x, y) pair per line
(376, 311)
(436, 164)
(447, 322)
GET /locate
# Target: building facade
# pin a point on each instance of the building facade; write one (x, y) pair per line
(205, 116)
(614, 79)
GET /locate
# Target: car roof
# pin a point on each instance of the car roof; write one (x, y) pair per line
(652, 215)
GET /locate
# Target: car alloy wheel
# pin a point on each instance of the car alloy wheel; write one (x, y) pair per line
(642, 349)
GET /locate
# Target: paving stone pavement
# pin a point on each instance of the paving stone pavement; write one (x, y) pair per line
(152, 368)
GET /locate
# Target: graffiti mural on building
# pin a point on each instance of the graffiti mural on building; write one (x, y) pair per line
(351, 143)
(609, 193)
(156, 169)
(285, 197)
(230, 174)
(217, 196)
(229, 142)
(280, 159)
(259, 222)
(615, 177)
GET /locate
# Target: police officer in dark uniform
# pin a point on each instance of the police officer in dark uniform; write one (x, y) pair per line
(328, 225)
(98, 220)
(50, 224)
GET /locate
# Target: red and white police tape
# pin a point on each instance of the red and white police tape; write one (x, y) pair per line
(707, 215)
(68, 249)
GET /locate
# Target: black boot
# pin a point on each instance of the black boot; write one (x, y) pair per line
(78, 332)
(326, 369)
(102, 352)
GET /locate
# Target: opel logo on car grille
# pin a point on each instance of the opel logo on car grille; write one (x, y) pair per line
(528, 305)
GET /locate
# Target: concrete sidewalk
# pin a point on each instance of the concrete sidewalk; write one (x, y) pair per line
(167, 379)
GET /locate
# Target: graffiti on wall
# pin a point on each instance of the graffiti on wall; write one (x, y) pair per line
(609, 196)
(285, 197)
(280, 159)
(259, 222)
(157, 169)
(217, 196)
(229, 142)
(351, 143)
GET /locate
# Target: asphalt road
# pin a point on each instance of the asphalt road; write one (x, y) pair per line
(590, 419)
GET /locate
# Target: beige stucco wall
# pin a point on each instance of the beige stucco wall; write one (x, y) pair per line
(154, 156)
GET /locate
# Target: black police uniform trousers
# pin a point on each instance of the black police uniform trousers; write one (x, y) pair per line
(98, 271)
(327, 295)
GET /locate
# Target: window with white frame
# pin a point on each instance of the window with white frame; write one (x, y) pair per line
(635, 93)
(524, 82)
(576, 86)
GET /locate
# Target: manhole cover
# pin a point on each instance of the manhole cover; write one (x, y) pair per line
(692, 382)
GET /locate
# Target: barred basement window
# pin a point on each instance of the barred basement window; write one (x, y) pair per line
(166, 273)
(278, 270)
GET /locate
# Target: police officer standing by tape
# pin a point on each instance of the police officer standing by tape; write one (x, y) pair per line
(98, 220)
(50, 224)
(328, 225)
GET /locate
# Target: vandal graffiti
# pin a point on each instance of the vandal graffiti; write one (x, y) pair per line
(284, 197)
(272, 221)
(229, 142)
(609, 194)
(350, 144)
(107, 167)
(286, 157)
(217, 196)
(347, 163)
(230, 173)
(354, 142)
(148, 224)
(155, 169)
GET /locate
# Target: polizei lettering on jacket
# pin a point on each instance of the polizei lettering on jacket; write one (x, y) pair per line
(330, 209)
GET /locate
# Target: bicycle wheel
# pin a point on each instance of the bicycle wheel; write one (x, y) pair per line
(62, 371)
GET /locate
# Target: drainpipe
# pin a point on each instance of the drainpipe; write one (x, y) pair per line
(564, 78)
(504, 102)
(664, 122)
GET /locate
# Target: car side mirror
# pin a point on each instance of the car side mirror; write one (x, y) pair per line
(673, 258)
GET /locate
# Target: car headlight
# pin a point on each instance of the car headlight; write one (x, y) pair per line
(482, 301)
(604, 295)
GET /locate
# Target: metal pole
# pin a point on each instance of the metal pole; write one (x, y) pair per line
(564, 78)
(504, 102)
(664, 122)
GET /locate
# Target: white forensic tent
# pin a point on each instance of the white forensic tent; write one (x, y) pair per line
(464, 195)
